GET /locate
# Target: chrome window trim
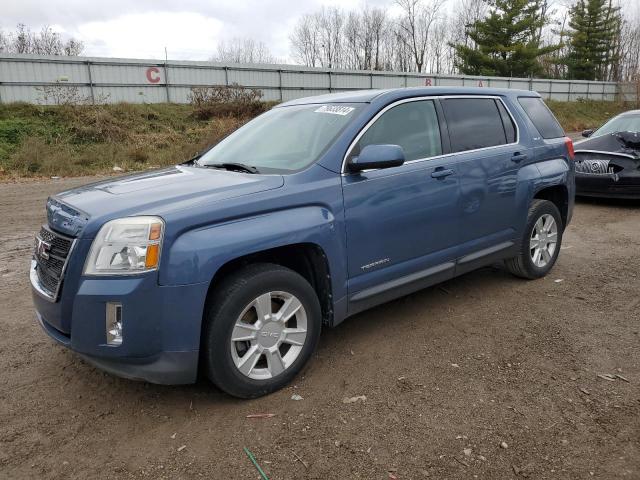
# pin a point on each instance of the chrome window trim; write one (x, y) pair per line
(343, 169)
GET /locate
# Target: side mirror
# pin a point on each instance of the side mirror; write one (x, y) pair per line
(587, 133)
(377, 156)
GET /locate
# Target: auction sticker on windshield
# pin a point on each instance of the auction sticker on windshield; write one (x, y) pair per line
(335, 109)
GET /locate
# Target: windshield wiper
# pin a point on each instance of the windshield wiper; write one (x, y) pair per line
(233, 166)
(197, 156)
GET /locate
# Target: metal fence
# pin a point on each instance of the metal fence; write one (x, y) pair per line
(32, 78)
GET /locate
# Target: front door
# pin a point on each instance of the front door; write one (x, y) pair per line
(401, 222)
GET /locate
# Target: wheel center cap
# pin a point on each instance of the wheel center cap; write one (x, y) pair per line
(269, 334)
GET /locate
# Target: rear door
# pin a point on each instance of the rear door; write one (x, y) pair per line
(484, 137)
(401, 222)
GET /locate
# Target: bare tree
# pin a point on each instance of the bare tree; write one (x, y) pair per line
(467, 13)
(243, 50)
(552, 63)
(73, 48)
(375, 24)
(439, 52)
(46, 42)
(353, 47)
(416, 24)
(366, 39)
(22, 39)
(4, 42)
(628, 69)
(330, 21)
(305, 42)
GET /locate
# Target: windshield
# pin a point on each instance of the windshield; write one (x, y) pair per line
(283, 139)
(623, 123)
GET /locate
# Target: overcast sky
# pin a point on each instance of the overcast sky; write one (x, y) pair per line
(190, 29)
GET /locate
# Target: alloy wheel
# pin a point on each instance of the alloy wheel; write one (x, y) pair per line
(544, 240)
(269, 335)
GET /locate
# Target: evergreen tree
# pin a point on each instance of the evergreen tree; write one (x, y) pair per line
(507, 41)
(594, 39)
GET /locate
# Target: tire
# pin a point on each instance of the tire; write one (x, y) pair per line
(249, 347)
(524, 264)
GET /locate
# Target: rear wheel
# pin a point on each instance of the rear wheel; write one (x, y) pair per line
(262, 325)
(540, 244)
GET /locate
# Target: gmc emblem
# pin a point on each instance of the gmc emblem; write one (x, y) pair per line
(270, 334)
(42, 248)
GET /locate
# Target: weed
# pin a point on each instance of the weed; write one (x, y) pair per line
(221, 100)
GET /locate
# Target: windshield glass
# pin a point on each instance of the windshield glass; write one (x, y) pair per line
(624, 123)
(283, 139)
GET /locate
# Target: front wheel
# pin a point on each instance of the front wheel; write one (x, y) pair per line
(540, 244)
(262, 325)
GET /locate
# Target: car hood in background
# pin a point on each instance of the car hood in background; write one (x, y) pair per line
(154, 193)
(619, 142)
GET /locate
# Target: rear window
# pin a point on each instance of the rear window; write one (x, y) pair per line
(473, 123)
(541, 116)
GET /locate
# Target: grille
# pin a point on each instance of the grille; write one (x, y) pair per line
(51, 253)
(594, 167)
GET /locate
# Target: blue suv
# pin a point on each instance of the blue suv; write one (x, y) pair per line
(230, 264)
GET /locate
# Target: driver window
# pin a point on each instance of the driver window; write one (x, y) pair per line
(412, 125)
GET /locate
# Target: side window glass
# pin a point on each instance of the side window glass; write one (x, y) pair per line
(507, 121)
(541, 117)
(473, 123)
(412, 125)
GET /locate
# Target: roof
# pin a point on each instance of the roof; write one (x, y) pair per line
(352, 96)
(367, 96)
(630, 112)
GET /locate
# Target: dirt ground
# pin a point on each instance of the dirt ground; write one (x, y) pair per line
(449, 374)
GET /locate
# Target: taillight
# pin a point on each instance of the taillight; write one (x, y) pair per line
(569, 143)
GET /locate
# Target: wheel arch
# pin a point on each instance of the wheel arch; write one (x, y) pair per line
(306, 258)
(559, 196)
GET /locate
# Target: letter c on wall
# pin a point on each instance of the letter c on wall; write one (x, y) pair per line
(153, 74)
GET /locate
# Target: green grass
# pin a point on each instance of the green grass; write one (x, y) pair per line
(84, 140)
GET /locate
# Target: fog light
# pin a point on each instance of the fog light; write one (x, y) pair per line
(114, 324)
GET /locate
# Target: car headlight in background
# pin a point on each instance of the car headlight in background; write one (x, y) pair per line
(126, 246)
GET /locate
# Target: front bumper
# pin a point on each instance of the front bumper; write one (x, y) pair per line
(167, 368)
(609, 185)
(161, 325)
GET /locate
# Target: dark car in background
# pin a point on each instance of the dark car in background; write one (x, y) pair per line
(608, 162)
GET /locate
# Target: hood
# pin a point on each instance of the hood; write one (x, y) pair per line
(619, 142)
(152, 193)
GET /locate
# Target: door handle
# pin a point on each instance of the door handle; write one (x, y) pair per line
(518, 157)
(441, 172)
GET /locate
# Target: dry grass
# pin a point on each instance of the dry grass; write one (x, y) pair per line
(580, 115)
(223, 101)
(82, 140)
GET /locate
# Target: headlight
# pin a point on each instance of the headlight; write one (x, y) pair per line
(126, 246)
